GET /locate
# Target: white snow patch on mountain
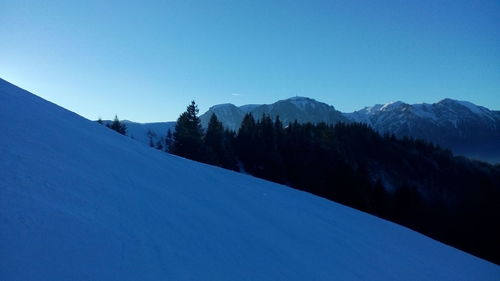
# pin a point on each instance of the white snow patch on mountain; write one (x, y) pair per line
(249, 107)
(391, 105)
(221, 106)
(472, 107)
(424, 110)
(302, 102)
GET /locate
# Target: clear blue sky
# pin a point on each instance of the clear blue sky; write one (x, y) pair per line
(147, 61)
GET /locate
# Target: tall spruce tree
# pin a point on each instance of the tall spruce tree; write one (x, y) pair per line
(188, 135)
(151, 135)
(245, 143)
(219, 145)
(118, 126)
(229, 159)
(169, 138)
(213, 141)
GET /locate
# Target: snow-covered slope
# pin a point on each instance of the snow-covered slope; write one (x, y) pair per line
(81, 202)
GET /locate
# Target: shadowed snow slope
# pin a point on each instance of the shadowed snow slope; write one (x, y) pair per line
(81, 202)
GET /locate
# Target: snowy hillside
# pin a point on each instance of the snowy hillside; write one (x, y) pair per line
(81, 202)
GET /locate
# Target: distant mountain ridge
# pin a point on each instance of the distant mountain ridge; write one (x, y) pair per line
(461, 126)
(302, 109)
(465, 128)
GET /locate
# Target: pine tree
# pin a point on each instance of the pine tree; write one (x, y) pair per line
(158, 145)
(188, 135)
(118, 126)
(168, 140)
(278, 132)
(213, 141)
(229, 159)
(245, 143)
(151, 135)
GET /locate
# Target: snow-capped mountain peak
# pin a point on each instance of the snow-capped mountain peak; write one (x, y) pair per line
(302, 109)
(464, 127)
(392, 105)
(475, 109)
(302, 102)
(222, 106)
(248, 107)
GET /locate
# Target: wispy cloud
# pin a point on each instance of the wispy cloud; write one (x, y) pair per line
(235, 94)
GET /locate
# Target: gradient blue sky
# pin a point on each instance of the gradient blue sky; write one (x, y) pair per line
(145, 60)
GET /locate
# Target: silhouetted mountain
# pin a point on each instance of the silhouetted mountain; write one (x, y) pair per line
(301, 109)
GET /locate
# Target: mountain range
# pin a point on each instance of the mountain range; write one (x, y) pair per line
(301, 109)
(465, 128)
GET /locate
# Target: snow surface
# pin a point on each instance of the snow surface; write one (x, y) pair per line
(432, 112)
(424, 110)
(392, 105)
(81, 202)
(302, 102)
(249, 107)
(222, 106)
(472, 107)
(373, 109)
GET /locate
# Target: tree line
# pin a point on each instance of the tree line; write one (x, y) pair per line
(115, 125)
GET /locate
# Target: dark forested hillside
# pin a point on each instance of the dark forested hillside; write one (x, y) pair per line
(408, 181)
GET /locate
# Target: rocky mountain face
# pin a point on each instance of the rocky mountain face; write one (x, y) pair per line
(301, 109)
(461, 126)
